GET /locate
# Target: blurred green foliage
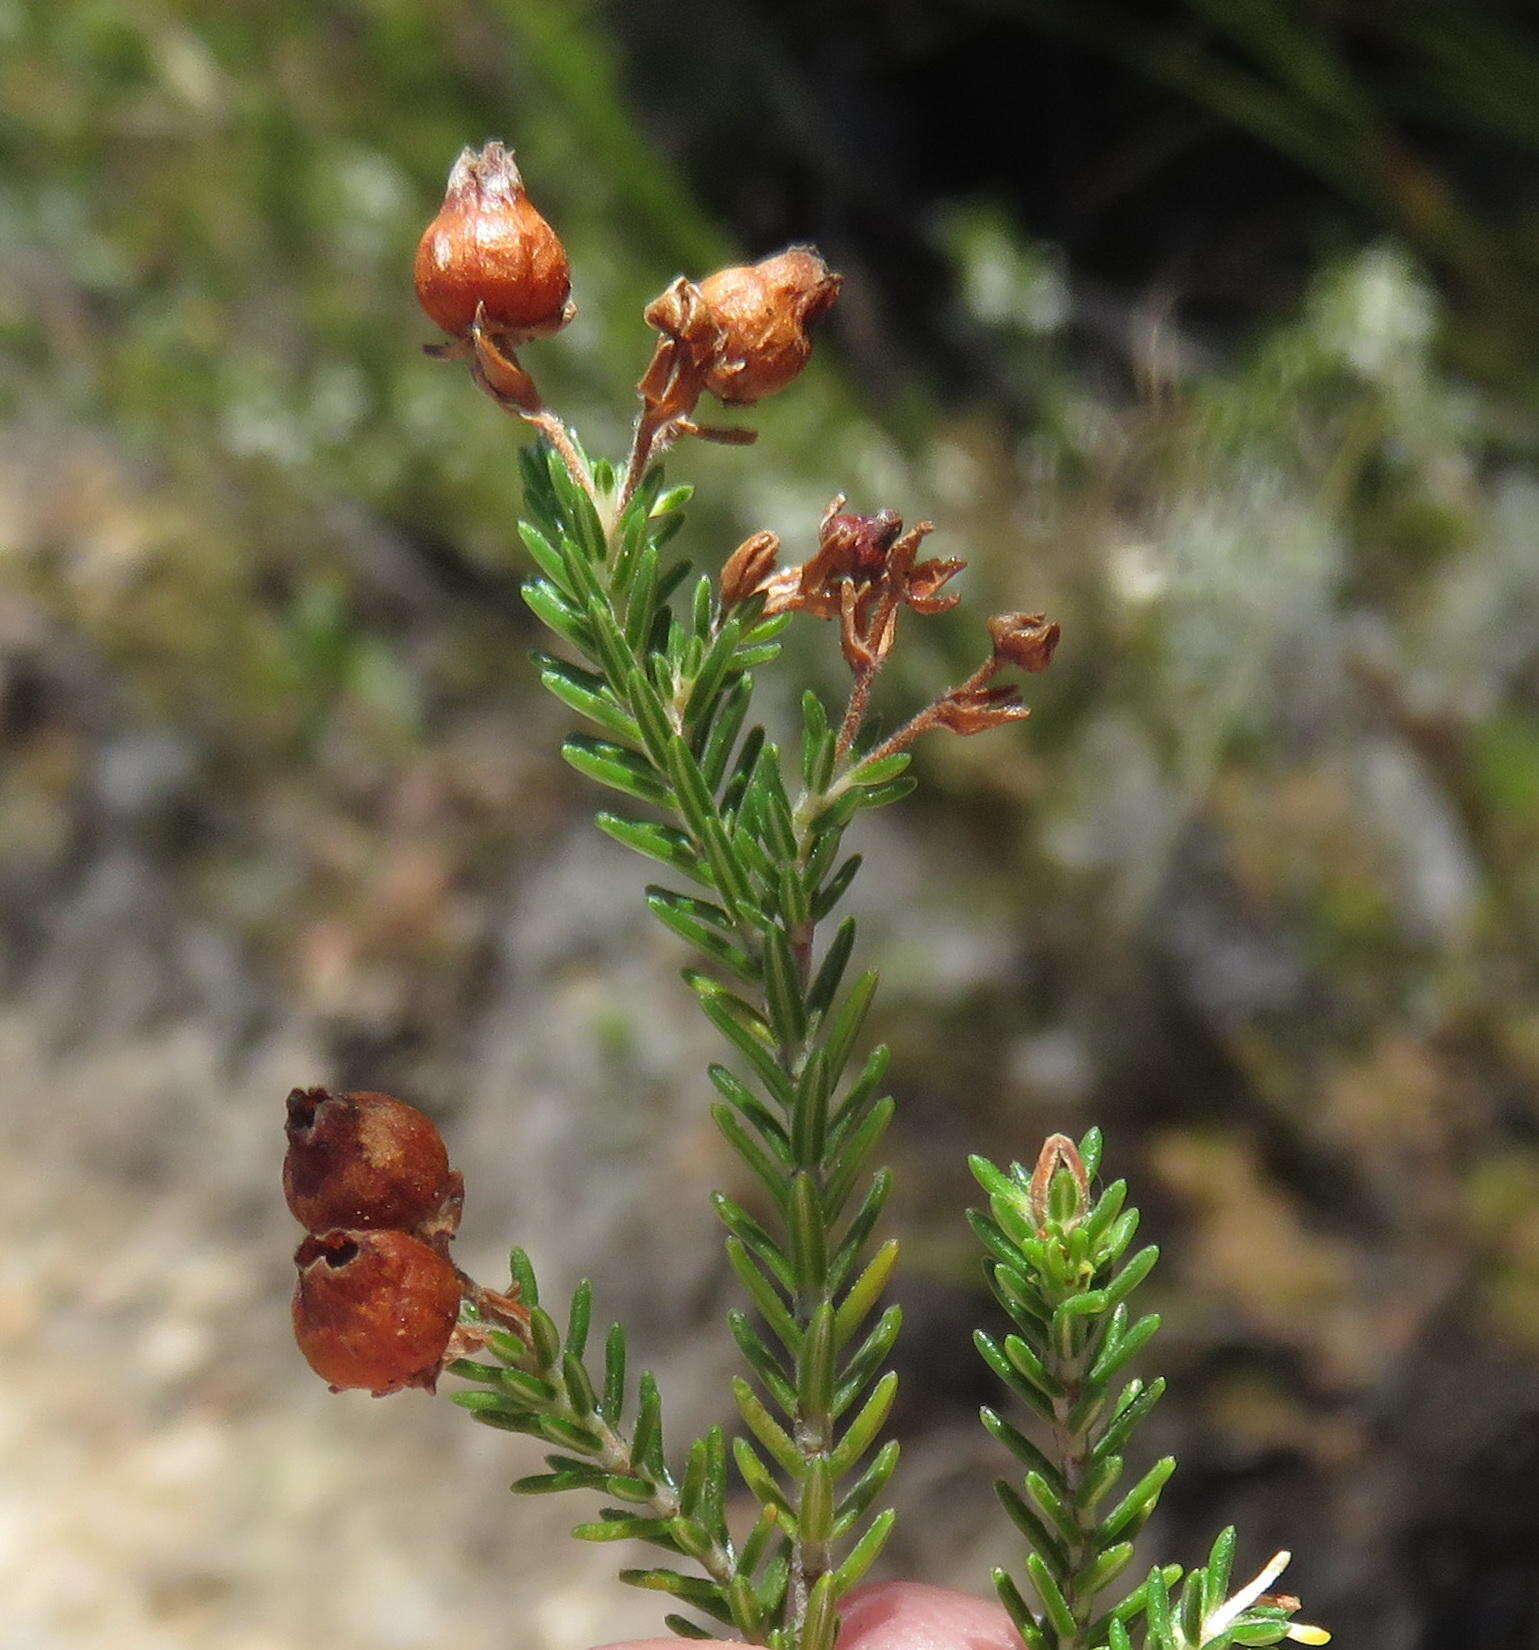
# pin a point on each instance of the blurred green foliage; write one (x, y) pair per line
(1366, 99)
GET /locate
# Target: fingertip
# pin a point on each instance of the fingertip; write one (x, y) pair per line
(894, 1615)
(911, 1615)
(671, 1644)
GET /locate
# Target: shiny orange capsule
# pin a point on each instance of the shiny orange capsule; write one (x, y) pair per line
(367, 1161)
(374, 1310)
(763, 311)
(489, 252)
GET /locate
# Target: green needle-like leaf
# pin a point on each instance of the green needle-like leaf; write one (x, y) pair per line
(804, 1217)
(613, 1405)
(865, 1552)
(618, 768)
(756, 1475)
(867, 1487)
(1054, 1606)
(763, 1362)
(774, 1438)
(863, 1430)
(1020, 1612)
(1030, 1524)
(762, 1292)
(700, 1595)
(815, 1368)
(821, 1622)
(1133, 1510)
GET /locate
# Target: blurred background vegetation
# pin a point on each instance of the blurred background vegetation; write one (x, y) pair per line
(1212, 327)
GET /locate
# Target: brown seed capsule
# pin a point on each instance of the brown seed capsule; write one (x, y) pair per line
(1025, 640)
(764, 310)
(490, 250)
(367, 1161)
(374, 1310)
(740, 333)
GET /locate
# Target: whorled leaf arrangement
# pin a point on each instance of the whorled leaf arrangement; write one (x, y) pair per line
(661, 663)
(1057, 1261)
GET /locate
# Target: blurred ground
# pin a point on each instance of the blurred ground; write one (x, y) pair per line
(1255, 888)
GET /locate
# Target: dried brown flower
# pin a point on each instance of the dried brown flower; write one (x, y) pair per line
(367, 1161)
(692, 336)
(749, 567)
(976, 709)
(863, 571)
(374, 1310)
(1025, 640)
(855, 546)
(1058, 1152)
(489, 255)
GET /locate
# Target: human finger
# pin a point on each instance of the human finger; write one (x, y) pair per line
(897, 1615)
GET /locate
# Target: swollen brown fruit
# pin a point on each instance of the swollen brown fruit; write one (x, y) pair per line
(763, 311)
(490, 250)
(374, 1310)
(367, 1161)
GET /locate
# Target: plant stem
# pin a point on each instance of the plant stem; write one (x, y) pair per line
(735, 828)
(555, 432)
(814, 1430)
(813, 1427)
(855, 711)
(1073, 1449)
(719, 1562)
(649, 431)
(616, 1454)
(925, 720)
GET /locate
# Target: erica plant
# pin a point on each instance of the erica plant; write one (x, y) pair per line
(660, 663)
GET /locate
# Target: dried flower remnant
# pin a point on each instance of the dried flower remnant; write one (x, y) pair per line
(746, 570)
(490, 257)
(374, 1310)
(973, 706)
(367, 1161)
(1058, 1153)
(493, 274)
(1025, 640)
(675, 377)
(969, 709)
(740, 333)
(1021, 641)
(871, 563)
(864, 571)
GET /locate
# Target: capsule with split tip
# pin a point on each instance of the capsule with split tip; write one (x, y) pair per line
(490, 254)
(374, 1311)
